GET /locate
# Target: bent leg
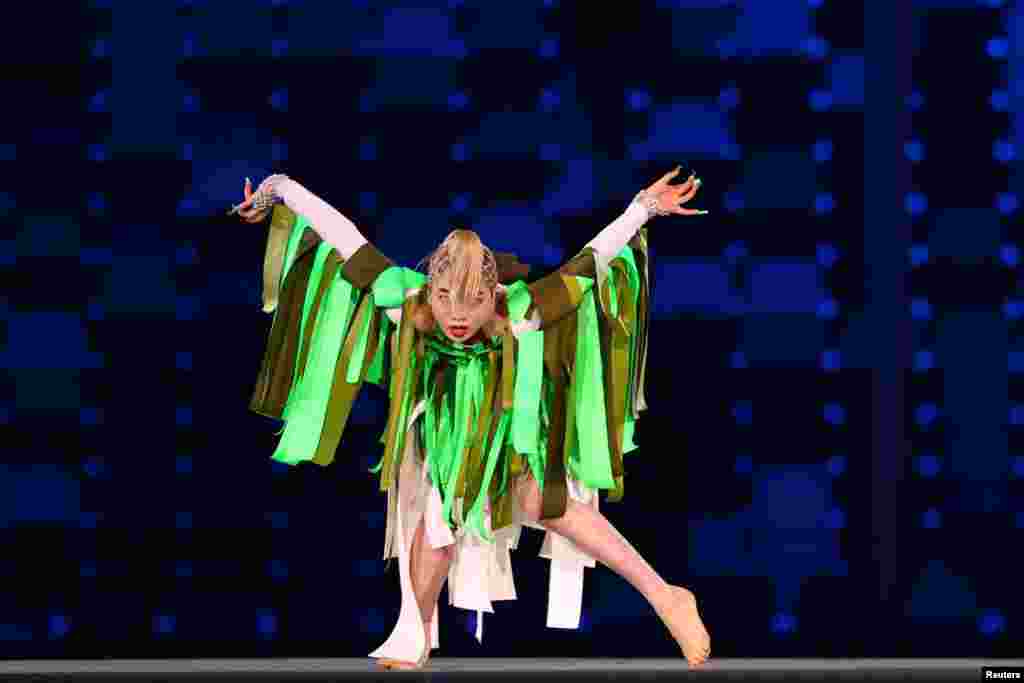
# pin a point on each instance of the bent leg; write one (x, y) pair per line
(594, 534)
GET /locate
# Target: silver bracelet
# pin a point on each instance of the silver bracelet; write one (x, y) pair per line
(266, 194)
(650, 203)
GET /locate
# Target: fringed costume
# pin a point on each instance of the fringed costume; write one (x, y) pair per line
(557, 396)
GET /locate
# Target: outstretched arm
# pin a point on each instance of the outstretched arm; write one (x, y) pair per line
(606, 245)
(362, 261)
(659, 199)
(551, 299)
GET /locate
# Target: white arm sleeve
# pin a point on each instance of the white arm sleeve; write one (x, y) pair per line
(330, 224)
(607, 245)
(610, 241)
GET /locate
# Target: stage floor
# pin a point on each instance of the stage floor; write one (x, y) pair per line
(590, 669)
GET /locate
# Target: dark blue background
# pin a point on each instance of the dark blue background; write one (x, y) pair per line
(831, 460)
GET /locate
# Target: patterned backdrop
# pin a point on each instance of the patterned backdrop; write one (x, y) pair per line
(831, 460)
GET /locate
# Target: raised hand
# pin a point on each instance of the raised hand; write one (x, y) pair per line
(670, 198)
(246, 210)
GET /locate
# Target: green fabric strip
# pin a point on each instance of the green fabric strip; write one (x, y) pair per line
(634, 277)
(274, 381)
(282, 222)
(343, 393)
(355, 366)
(475, 518)
(301, 223)
(318, 299)
(375, 373)
(390, 286)
(593, 460)
(517, 295)
(628, 430)
(637, 400)
(482, 419)
(404, 364)
(315, 279)
(468, 395)
(304, 413)
(528, 396)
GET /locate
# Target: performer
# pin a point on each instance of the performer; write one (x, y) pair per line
(513, 399)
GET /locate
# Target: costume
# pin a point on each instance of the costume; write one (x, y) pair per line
(556, 396)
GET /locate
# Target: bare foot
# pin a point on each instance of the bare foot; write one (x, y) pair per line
(391, 664)
(677, 608)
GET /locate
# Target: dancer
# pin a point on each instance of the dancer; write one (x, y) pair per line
(512, 402)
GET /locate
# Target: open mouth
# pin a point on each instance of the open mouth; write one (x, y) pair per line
(457, 331)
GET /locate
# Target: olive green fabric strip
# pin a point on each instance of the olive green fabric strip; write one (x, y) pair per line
(282, 221)
(363, 267)
(508, 369)
(399, 398)
(638, 401)
(554, 297)
(591, 459)
(274, 382)
(376, 374)
(475, 517)
(581, 265)
(306, 410)
(345, 388)
(312, 315)
(555, 492)
(509, 267)
(474, 465)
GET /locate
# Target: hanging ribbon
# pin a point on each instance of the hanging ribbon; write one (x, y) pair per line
(590, 463)
(400, 397)
(475, 518)
(307, 405)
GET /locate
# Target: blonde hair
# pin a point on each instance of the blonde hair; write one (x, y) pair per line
(473, 268)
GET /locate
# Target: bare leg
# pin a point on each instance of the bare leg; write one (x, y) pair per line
(595, 535)
(429, 572)
(429, 569)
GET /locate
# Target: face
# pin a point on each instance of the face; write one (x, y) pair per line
(459, 317)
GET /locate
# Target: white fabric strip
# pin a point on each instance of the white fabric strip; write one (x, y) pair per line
(481, 572)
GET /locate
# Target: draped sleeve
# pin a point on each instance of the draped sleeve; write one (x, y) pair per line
(330, 333)
(581, 370)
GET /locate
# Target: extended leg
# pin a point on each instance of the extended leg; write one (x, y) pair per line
(594, 534)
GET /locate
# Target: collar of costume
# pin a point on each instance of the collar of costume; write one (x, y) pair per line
(459, 353)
